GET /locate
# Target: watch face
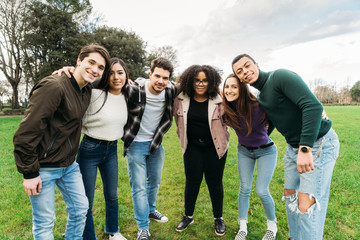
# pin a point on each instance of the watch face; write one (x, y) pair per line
(304, 149)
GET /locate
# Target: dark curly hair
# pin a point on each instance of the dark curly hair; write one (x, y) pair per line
(186, 80)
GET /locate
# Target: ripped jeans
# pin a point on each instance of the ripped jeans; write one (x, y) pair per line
(316, 183)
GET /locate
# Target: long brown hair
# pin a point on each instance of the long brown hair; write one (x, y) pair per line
(243, 107)
(104, 82)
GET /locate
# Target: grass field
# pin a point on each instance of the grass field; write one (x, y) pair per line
(343, 216)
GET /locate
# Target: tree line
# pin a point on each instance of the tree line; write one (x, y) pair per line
(37, 37)
(329, 95)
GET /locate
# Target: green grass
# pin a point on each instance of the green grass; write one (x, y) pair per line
(343, 216)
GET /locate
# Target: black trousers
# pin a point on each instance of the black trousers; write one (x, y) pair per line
(200, 161)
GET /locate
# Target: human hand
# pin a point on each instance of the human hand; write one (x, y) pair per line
(130, 82)
(32, 186)
(267, 124)
(324, 116)
(67, 70)
(305, 162)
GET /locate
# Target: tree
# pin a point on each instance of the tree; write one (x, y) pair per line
(12, 29)
(4, 92)
(344, 96)
(326, 94)
(313, 84)
(355, 92)
(126, 45)
(52, 40)
(79, 8)
(166, 51)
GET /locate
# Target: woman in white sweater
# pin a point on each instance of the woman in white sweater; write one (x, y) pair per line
(103, 125)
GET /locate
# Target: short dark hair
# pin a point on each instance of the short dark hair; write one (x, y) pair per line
(186, 80)
(163, 63)
(238, 57)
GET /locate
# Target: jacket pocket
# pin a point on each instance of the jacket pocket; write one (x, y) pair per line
(52, 142)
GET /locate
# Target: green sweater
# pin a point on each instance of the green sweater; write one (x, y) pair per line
(291, 107)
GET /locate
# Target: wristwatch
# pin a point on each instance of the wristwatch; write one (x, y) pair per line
(305, 149)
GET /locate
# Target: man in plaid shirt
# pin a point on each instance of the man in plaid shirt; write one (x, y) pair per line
(150, 105)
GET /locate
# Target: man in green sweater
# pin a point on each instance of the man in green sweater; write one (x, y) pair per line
(313, 145)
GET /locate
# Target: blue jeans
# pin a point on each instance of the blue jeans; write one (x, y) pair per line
(266, 162)
(70, 184)
(316, 183)
(145, 172)
(92, 156)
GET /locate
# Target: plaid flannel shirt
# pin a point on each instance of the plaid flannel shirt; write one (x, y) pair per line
(136, 107)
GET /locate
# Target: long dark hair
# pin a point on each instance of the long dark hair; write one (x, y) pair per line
(104, 82)
(186, 80)
(243, 107)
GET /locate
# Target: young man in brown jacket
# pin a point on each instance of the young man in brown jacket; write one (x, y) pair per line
(47, 140)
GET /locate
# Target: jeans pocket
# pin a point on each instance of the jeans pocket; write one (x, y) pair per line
(88, 145)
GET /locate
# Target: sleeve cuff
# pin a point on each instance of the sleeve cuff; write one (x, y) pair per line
(31, 175)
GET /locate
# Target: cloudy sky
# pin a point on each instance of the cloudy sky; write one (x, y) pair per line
(318, 39)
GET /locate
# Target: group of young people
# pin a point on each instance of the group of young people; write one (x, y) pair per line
(64, 105)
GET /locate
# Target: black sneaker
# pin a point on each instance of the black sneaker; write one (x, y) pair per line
(219, 226)
(184, 223)
(157, 216)
(143, 235)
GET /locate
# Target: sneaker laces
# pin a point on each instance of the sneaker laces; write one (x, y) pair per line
(157, 214)
(143, 234)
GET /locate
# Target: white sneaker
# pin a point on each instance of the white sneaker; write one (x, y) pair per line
(241, 235)
(269, 235)
(116, 236)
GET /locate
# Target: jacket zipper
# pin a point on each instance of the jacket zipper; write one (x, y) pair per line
(71, 147)
(51, 144)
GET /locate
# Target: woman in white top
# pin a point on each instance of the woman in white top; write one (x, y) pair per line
(103, 125)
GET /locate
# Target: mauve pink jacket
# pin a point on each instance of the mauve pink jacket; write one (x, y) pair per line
(218, 128)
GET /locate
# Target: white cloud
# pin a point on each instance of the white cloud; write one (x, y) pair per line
(318, 39)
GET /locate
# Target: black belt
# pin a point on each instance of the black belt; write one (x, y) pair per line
(262, 146)
(98, 141)
(202, 142)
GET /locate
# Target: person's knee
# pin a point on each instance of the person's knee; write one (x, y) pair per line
(245, 188)
(305, 202)
(288, 192)
(262, 193)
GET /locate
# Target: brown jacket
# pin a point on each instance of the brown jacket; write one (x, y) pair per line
(218, 128)
(49, 134)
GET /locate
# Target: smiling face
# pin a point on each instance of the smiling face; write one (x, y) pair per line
(231, 89)
(159, 79)
(246, 70)
(201, 85)
(117, 78)
(89, 69)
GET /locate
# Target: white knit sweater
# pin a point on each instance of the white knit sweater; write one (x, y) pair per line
(108, 124)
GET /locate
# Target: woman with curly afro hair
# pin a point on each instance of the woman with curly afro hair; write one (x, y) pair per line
(204, 139)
